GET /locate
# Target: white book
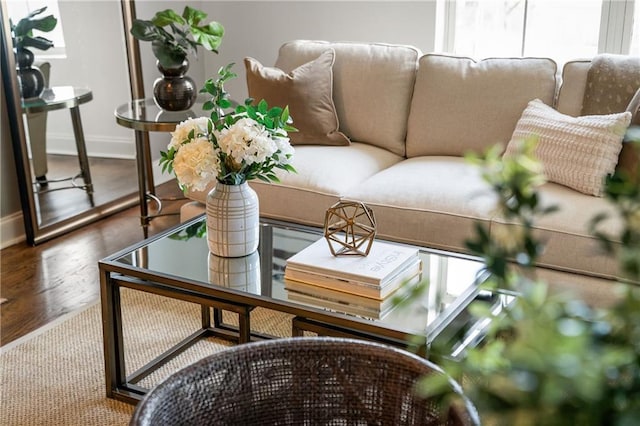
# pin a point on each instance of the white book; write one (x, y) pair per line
(381, 266)
(344, 308)
(332, 295)
(362, 289)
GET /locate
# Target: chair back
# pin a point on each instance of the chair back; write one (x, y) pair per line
(301, 381)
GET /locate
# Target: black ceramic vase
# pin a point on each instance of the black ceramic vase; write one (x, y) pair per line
(30, 80)
(174, 91)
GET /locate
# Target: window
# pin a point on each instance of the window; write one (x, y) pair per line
(18, 9)
(561, 29)
(635, 28)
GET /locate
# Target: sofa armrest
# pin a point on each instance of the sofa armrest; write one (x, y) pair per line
(629, 159)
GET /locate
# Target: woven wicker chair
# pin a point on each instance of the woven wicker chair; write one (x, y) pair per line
(300, 381)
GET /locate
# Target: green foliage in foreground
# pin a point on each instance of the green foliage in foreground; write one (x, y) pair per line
(550, 359)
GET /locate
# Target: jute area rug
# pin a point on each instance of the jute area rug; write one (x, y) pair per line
(55, 376)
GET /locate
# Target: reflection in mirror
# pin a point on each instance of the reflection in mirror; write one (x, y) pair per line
(76, 163)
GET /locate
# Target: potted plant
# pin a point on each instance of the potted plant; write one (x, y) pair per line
(550, 358)
(173, 37)
(30, 79)
(221, 153)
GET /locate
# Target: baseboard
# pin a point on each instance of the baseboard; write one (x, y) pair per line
(11, 230)
(97, 146)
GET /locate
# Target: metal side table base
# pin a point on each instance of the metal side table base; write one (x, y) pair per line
(144, 116)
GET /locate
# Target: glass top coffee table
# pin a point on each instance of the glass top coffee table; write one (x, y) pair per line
(177, 264)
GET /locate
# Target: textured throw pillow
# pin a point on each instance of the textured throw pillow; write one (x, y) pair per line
(308, 91)
(578, 152)
(612, 81)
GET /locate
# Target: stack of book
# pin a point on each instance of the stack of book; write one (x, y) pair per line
(357, 285)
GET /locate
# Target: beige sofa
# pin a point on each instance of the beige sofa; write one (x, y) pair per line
(411, 118)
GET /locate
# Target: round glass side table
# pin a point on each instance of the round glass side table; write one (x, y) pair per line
(144, 116)
(61, 97)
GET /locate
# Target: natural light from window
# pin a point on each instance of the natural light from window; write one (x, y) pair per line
(549, 32)
(561, 29)
(635, 36)
(488, 28)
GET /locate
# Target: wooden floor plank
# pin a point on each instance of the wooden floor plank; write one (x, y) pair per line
(47, 281)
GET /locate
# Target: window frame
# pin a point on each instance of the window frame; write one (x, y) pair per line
(616, 26)
(615, 33)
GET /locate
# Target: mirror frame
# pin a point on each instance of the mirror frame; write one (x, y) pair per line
(35, 233)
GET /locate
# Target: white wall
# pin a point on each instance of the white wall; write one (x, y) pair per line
(96, 58)
(258, 28)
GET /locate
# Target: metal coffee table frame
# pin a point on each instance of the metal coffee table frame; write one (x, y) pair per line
(115, 275)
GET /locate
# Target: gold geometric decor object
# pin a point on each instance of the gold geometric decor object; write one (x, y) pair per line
(349, 227)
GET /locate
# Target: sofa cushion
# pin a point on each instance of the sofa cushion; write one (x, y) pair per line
(307, 90)
(461, 105)
(324, 174)
(574, 81)
(372, 82)
(427, 200)
(565, 233)
(578, 152)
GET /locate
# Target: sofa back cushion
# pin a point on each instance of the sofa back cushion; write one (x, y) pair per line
(574, 81)
(372, 87)
(460, 105)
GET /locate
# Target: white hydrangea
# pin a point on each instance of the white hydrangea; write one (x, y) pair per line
(181, 133)
(196, 164)
(285, 156)
(197, 161)
(246, 140)
(261, 148)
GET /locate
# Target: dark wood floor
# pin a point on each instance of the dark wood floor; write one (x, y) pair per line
(52, 279)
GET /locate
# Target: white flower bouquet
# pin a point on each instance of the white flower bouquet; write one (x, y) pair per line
(248, 143)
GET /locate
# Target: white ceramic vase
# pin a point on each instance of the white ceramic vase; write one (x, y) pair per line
(233, 220)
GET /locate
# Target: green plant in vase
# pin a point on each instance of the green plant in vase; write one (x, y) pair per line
(31, 79)
(250, 142)
(221, 153)
(173, 37)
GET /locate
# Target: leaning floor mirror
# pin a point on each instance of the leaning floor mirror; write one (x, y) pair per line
(74, 163)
